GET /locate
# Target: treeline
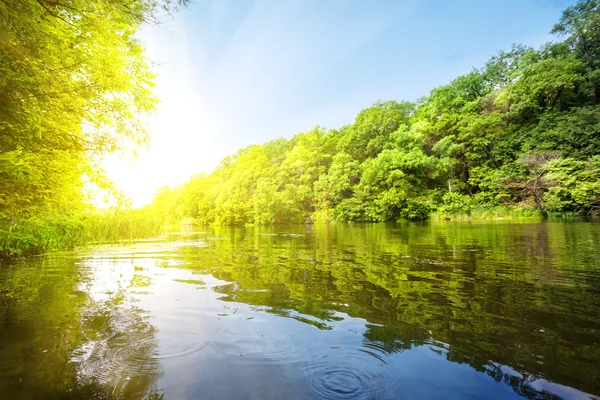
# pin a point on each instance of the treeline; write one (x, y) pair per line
(519, 135)
(74, 83)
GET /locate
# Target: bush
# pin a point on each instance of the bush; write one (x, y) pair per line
(455, 204)
(415, 210)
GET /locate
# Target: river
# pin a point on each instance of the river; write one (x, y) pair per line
(494, 310)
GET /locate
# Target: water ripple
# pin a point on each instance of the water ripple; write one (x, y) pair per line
(182, 346)
(348, 374)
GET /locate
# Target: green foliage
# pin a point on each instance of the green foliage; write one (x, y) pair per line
(581, 24)
(373, 126)
(576, 185)
(40, 235)
(520, 136)
(415, 210)
(74, 85)
(455, 204)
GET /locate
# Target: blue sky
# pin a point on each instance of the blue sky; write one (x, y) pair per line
(234, 73)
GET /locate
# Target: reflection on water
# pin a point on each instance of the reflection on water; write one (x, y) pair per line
(465, 310)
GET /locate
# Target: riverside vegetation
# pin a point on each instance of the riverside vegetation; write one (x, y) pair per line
(518, 136)
(74, 86)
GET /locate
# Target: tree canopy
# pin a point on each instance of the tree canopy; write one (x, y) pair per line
(522, 132)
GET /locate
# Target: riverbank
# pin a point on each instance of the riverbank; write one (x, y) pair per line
(486, 213)
(42, 235)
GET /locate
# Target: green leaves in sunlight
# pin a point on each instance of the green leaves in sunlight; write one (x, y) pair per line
(520, 135)
(74, 85)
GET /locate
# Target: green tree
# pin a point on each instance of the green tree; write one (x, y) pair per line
(521, 133)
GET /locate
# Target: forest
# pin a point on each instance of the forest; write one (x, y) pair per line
(518, 136)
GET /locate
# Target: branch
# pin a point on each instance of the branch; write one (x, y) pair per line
(66, 66)
(41, 3)
(63, 92)
(58, 4)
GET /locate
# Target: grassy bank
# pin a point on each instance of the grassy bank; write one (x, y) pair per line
(486, 213)
(42, 235)
(502, 213)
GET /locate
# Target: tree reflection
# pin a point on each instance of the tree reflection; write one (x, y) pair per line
(58, 341)
(516, 302)
(511, 293)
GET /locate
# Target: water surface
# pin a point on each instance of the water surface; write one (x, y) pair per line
(494, 310)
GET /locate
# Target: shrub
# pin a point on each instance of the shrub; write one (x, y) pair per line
(455, 204)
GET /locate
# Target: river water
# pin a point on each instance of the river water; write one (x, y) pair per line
(493, 310)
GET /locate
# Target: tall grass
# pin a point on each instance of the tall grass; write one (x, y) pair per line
(56, 233)
(477, 213)
(123, 225)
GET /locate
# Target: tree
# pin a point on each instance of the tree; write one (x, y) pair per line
(536, 182)
(369, 133)
(580, 24)
(74, 85)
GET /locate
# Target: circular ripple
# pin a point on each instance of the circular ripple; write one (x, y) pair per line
(260, 348)
(179, 347)
(109, 361)
(347, 375)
